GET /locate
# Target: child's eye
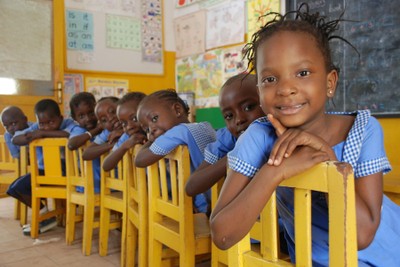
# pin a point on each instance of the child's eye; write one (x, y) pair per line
(154, 118)
(266, 81)
(303, 73)
(13, 124)
(81, 116)
(228, 116)
(134, 119)
(249, 107)
(124, 123)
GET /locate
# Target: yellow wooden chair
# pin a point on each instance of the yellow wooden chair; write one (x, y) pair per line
(137, 208)
(11, 169)
(335, 179)
(113, 198)
(172, 223)
(80, 174)
(53, 184)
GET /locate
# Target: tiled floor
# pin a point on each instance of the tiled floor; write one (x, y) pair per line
(17, 250)
(50, 249)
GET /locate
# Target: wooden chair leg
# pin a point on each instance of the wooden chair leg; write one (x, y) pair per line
(123, 240)
(131, 245)
(23, 213)
(88, 225)
(70, 225)
(35, 217)
(104, 231)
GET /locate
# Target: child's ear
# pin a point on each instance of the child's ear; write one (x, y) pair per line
(178, 109)
(331, 82)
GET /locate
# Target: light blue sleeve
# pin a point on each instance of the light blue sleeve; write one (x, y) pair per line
(33, 127)
(120, 141)
(102, 138)
(67, 125)
(252, 149)
(77, 130)
(165, 143)
(14, 149)
(215, 151)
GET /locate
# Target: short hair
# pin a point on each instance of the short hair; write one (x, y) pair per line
(168, 95)
(47, 105)
(244, 76)
(113, 99)
(132, 96)
(82, 97)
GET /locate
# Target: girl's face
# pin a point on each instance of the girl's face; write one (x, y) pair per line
(292, 79)
(84, 116)
(157, 117)
(240, 106)
(48, 121)
(106, 115)
(127, 117)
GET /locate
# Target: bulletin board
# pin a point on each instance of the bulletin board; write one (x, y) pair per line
(114, 36)
(371, 80)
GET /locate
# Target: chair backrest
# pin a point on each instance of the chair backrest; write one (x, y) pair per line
(167, 197)
(7, 162)
(53, 151)
(79, 171)
(336, 180)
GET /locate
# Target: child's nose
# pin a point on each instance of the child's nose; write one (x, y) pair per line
(286, 87)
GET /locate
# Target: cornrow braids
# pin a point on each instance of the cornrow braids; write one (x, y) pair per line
(131, 96)
(299, 20)
(82, 97)
(170, 96)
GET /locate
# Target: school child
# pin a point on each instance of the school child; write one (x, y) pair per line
(133, 133)
(50, 123)
(240, 106)
(164, 116)
(13, 119)
(296, 76)
(105, 111)
(82, 111)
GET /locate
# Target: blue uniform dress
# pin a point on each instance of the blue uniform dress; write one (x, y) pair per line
(21, 188)
(217, 150)
(364, 150)
(120, 141)
(196, 136)
(14, 149)
(78, 130)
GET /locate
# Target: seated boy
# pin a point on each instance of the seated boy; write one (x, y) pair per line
(50, 123)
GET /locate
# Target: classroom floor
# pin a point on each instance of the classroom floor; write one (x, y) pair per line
(50, 249)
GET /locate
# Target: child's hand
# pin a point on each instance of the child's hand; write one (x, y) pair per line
(279, 128)
(293, 138)
(37, 134)
(302, 159)
(115, 135)
(137, 138)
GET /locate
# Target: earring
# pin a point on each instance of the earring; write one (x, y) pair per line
(330, 92)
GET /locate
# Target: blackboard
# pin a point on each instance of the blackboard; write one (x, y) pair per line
(372, 80)
(114, 36)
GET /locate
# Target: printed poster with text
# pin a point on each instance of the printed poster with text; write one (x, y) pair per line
(255, 10)
(101, 87)
(73, 84)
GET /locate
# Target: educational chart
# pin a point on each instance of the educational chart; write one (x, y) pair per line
(114, 35)
(205, 73)
(225, 25)
(370, 79)
(190, 31)
(101, 87)
(73, 84)
(255, 11)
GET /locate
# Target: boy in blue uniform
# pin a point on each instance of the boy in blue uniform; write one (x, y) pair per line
(50, 123)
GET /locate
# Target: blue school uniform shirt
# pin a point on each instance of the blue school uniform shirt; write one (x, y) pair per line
(120, 141)
(14, 149)
(102, 137)
(67, 125)
(217, 150)
(364, 150)
(78, 130)
(196, 136)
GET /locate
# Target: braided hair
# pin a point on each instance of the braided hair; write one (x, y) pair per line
(169, 96)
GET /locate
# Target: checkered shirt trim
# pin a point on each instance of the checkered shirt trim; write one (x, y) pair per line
(242, 167)
(373, 166)
(353, 144)
(201, 134)
(158, 150)
(210, 157)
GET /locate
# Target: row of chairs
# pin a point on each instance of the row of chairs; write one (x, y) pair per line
(156, 216)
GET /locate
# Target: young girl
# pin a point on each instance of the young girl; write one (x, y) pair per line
(240, 106)
(133, 133)
(164, 116)
(105, 111)
(82, 111)
(296, 77)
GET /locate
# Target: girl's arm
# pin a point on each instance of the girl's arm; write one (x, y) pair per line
(241, 200)
(145, 157)
(111, 161)
(205, 176)
(369, 195)
(94, 150)
(79, 140)
(25, 139)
